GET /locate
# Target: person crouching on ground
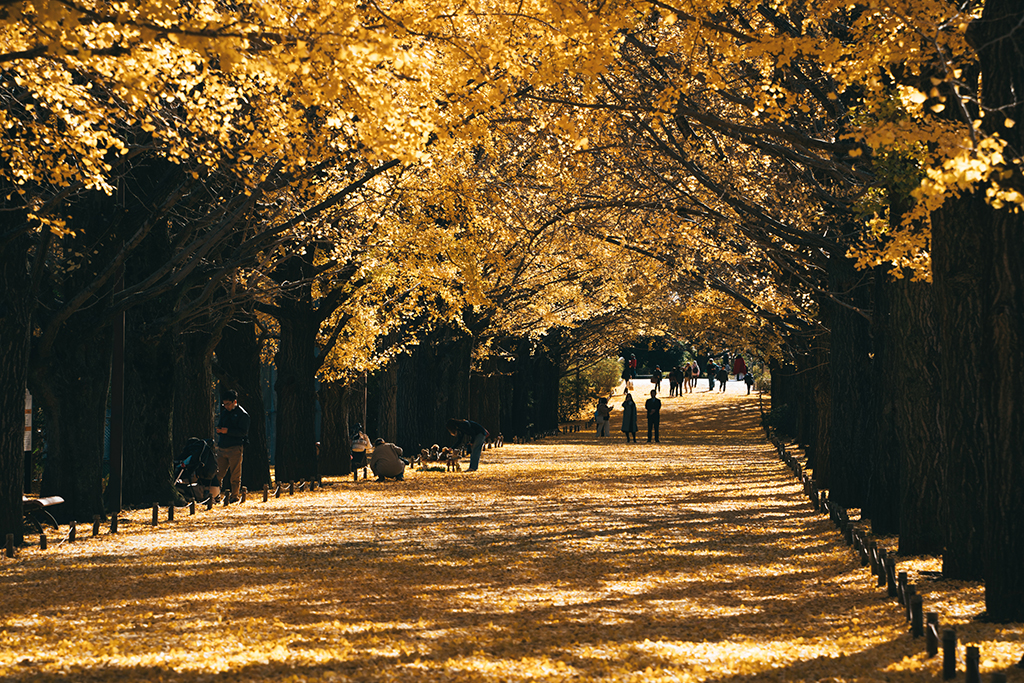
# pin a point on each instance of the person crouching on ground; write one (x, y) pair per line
(629, 417)
(386, 461)
(232, 435)
(472, 433)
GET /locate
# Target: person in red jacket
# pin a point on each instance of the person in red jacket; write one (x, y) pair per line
(739, 368)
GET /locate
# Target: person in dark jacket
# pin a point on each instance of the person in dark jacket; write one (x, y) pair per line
(629, 417)
(232, 436)
(653, 407)
(469, 433)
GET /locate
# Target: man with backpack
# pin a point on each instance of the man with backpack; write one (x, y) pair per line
(232, 435)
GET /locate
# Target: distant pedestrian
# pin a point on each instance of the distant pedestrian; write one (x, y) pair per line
(653, 407)
(712, 371)
(602, 416)
(629, 417)
(656, 378)
(723, 376)
(748, 379)
(694, 374)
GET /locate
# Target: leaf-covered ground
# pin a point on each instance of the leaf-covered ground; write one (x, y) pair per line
(567, 559)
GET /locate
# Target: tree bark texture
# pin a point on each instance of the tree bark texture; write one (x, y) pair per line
(149, 377)
(238, 368)
(15, 318)
(852, 379)
(295, 449)
(193, 388)
(71, 384)
(961, 278)
(336, 406)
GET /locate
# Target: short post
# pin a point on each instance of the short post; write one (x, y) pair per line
(911, 591)
(873, 557)
(226, 499)
(355, 474)
(972, 665)
(244, 491)
(170, 512)
(10, 545)
(890, 576)
(266, 492)
(192, 507)
(931, 633)
(156, 514)
(209, 503)
(948, 654)
(880, 568)
(901, 585)
(96, 525)
(291, 488)
(916, 616)
(71, 531)
(113, 522)
(277, 491)
(42, 541)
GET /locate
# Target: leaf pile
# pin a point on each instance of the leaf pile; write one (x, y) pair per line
(694, 559)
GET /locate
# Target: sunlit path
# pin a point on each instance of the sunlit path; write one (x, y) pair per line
(570, 558)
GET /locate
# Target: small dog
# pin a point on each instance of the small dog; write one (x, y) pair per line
(451, 460)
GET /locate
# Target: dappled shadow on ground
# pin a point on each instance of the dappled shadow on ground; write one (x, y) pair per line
(565, 558)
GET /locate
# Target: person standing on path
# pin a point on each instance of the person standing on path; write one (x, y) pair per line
(739, 368)
(629, 417)
(472, 434)
(602, 416)
(653, 407)
(232, 435)
(656, 378)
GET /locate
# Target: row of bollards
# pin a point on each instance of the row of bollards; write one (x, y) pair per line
(97, 520)
(883, 570)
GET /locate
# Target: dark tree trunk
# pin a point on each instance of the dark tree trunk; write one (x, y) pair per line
(913, 397)
(295, 450)
(547, 372)
(71, 384)
(823, 402)
(960, 275)
(883, 483)
(148, 455)
(521, 424)
(485, 401)
(386, 390)
(852, 428)
(193, 388)
(1000, 45)
(238, 367)
(336, 406)
(15, 317)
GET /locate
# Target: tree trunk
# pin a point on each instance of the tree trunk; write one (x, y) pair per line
(238, 368)
(522, 400)
(71, 385)
(295, 450)
(148, 454)
(961, 279)
(336, 403)
(386, 390)
(852, 377)
(193, 388)
(823, 402)
(15, 326)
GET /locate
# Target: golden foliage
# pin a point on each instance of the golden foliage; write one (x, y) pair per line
(695, 559)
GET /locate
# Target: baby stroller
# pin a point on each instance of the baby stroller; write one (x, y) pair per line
(196, 469)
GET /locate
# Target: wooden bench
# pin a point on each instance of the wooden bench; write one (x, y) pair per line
(36, 514)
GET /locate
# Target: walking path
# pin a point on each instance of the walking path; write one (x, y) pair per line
(567, 559)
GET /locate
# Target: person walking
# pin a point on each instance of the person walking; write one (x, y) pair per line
(739, 368)
(602, 416)
(723, 376)
(629, 417)
(469, 433)
(653, 407)
(694, 375)
(712, 371)
(232, 436)
(656, 377)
